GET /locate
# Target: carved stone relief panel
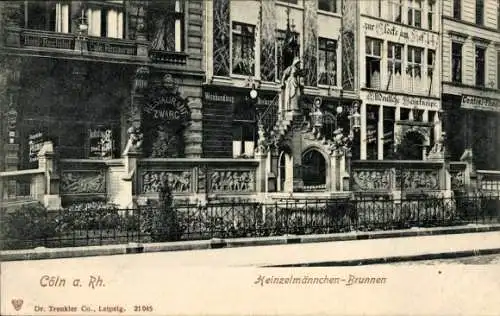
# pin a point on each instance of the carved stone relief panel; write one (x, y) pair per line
(372, 180)
(179, 181)
(232, 181)
(457, 180)
(417, 179)
(83, 182)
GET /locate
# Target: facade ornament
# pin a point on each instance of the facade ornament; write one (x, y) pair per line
(135, 139)
(292, 86)
(141, 79)
(262, 142)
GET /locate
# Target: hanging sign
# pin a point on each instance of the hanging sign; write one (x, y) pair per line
(35, 143)
(100, 143)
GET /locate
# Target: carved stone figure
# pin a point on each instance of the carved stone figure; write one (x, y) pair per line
(262, 143)
(82, 182)
(135, 139)
(291, 83)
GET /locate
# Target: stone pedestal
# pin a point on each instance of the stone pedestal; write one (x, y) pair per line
(261, 176)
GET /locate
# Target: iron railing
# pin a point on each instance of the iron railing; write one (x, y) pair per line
(90, 226)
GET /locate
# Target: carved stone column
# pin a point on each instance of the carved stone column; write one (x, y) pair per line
(10, 132)
(142, 46)
(193, 134)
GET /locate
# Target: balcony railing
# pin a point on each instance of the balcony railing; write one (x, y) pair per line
(29, 38)
(35, 38)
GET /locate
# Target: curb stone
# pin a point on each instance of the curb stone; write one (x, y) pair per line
(41, 253)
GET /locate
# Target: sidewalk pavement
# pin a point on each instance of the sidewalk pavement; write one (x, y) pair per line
(314, 250)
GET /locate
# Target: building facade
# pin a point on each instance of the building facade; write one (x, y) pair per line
(100, 80)
(251, 47)
(471, 80)
(399, 53)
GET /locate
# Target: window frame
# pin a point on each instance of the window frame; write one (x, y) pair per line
(280, 39)
(412, 65)
(374, 57)
(333, 52)
(398, 4)
(479, 12)
(331, 3)
(457, 9)
(392, 63)
(251, 39)
(454, 55)
(477, 61)
(431, 5)
(414, 7)
(430, 68)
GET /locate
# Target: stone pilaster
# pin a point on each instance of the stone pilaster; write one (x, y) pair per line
(268, 40)
(310, 43)
(11, 19)
(141, 37)
(193, 134)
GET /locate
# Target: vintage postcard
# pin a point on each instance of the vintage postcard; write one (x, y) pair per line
(237, 157)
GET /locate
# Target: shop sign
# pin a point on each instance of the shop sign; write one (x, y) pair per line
(100, 143)
(402, 100)
(35, 143)
(480, 103)
(400, 34)
(226, 98)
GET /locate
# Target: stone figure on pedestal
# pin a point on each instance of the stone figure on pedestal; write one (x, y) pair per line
(292, 86)
(135, 138)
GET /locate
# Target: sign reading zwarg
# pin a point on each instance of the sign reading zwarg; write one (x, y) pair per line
(480, 103)
(166, 103)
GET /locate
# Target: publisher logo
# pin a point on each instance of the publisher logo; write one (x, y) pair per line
(17, 303)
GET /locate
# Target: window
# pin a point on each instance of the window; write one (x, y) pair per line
(111, 23)
(430, 13)
(48, 16)
(372, 117)
(431, 62)
(480, 12)
(388, 137)
(480, 66)
(456, 62)
(285, 58)
(395, 10)
(373, 56)
(457, 9)
(328, 5)
(166, 20)
(244, 130)
(243, 49)
(394, 66)
(327, 52)
(414, 68)
(415, 13)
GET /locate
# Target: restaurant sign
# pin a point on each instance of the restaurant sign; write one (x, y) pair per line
(402, 100)
(400, 34)
(480, 103)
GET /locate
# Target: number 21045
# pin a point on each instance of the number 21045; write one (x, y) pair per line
(143, 308)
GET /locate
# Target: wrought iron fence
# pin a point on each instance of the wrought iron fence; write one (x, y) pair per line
(29, 229)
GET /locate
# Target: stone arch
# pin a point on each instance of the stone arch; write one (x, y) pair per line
(315, 168)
